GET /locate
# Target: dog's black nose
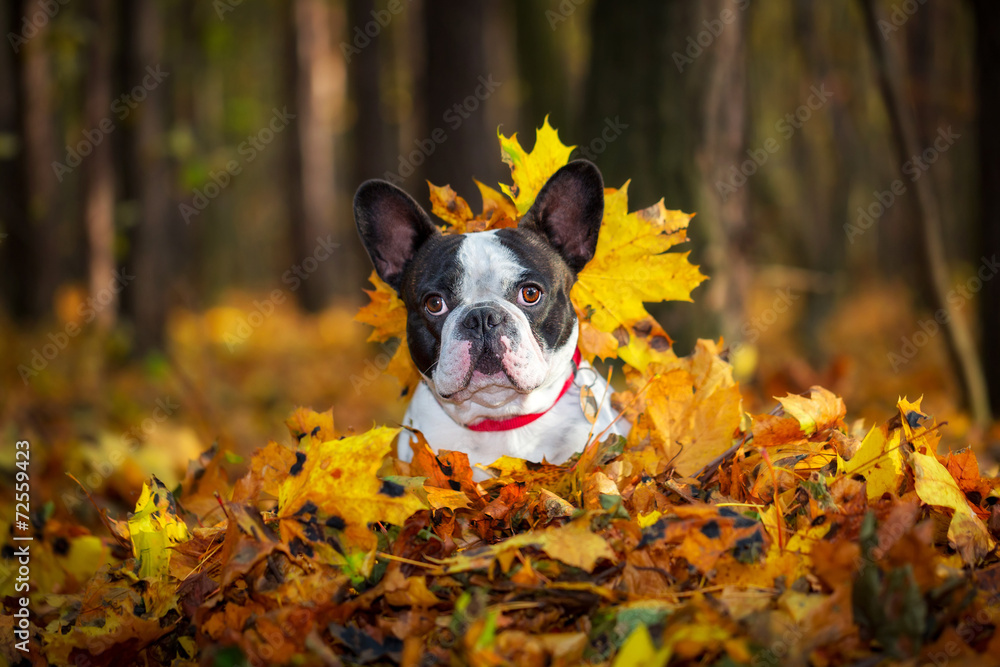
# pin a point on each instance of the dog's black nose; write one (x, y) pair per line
(483, 319)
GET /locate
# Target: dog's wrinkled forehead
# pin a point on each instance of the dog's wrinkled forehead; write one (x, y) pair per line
(489, 269)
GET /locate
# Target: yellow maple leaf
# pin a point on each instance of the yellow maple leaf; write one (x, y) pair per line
(880, 457)
(154, 528)
(270, 464)
(632, 267)
(935, 486)
(403, 591)
(106, 623)
(530, 171)
(880, 460)
(498, 209)
(339, 478)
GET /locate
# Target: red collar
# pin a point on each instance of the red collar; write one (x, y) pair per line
(518, 421)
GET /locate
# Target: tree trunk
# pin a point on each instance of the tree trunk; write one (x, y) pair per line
(319, 81)
(150, 259)
(370, 149)
(675, 124)
(28, 213)
(545, 82)
(635, 95)
(460, 81)
(372, 144)
(98, 168)
(15, 233)
(961, 342)
(723, 141)
(830, 163)
(987, 22)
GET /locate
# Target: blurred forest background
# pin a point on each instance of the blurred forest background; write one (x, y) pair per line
(178, 259)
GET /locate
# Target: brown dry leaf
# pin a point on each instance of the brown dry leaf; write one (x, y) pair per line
(774, 430)
(964, 467)
(447, 205)
(498, 211)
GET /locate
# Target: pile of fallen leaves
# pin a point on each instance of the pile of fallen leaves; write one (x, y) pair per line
(707, 536)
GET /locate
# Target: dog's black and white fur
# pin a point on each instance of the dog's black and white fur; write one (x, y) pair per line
(490, 324)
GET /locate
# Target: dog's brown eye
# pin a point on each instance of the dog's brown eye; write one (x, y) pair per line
(529, 295)
(435, 304)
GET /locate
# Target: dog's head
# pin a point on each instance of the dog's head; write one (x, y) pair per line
(489, 313)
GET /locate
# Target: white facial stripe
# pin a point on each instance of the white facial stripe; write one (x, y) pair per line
(489, 269)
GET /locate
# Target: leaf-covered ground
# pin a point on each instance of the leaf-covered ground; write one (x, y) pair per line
(711, 535)
(803, 544)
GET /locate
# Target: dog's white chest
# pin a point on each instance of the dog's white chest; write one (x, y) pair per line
(555, 436)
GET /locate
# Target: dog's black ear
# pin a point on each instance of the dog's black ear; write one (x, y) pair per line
(392, 227)
(568, 212)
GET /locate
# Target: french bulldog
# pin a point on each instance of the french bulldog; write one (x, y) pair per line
(490, 325)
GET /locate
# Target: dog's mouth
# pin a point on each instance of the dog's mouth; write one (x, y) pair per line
(489, 364)
(484, 374)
